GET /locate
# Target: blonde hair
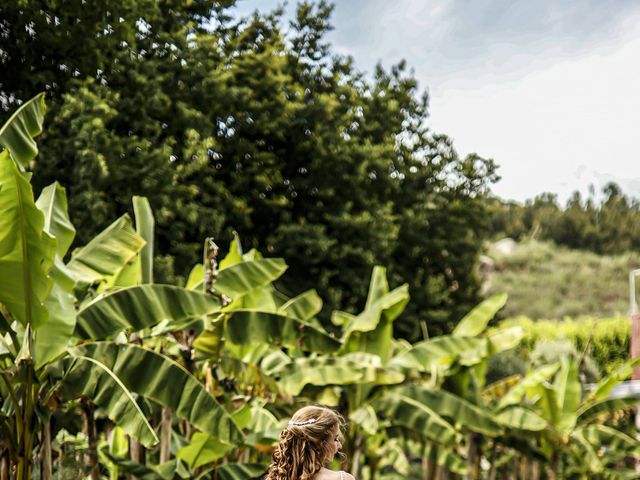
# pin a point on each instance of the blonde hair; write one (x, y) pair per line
(305, 444)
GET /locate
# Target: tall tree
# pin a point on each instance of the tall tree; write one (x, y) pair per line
(246, 125)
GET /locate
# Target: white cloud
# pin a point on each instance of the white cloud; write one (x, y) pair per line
(557, 129)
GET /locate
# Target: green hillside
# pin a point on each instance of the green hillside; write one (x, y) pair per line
(547, 281)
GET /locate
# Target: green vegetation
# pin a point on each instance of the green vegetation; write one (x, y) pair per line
(107, 374)
(606, 340)
(544, 280)
(255, 127)
(608, 226)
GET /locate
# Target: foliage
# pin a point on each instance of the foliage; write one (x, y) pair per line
(607, 224)
(561, 281)
(251, 126)
(212, 371)
(605, 339)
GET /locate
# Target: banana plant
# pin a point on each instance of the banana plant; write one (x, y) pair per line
(61, 322)
(575, 437)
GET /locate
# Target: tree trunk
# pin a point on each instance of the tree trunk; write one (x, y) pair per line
(523, 467)
(25, 442)
(473, 457)
(514, 473)
(165, 435)
(431, 468)
(46, 470)
(493, 471)
(357, 453)
(4, 466)
(136, 450)
(91, 458)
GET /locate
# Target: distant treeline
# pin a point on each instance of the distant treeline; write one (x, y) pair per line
(610, 225)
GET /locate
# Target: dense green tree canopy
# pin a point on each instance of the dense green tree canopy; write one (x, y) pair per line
(254, 126)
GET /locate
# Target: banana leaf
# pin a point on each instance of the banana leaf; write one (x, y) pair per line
(17, 134)
(52, 202)
(87, 376)
(144, 227)
(303, 307)
(332, 371)
(459, 410)
(27, 251)
(106, 254)
(164, 381)
(408, 413)
(253, 326)
(240, 278)
(521, 418)
(139, 307)
(603, 408)
(442, 351)
(202, 449)
(476, 321)
(531, 380)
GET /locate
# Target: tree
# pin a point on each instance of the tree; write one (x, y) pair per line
(231, 125)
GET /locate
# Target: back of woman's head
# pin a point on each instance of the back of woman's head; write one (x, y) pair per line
(306, 444)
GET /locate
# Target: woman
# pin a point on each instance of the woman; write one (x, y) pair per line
(308, 443)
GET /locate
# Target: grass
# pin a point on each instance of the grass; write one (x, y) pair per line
(545, 281)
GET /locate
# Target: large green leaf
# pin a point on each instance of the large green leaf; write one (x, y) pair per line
(567, 386)
(372, 330)
(586, 452)
(17, 134)
(406, 412)
(164, 381)
(505, 339)
(365, 417)
(442, 351)
(607, 384)
(90, 377)
(145, 227)
(332, 371)
(613, 439)
(532, 380)
(233, 471)
(521, 418)
(202, 449)
(52, 202)
(379, 302)
(603, 408)
(235, 253)
(303, 307)
(240, 471)
(52, 338)
(26, 250)
(476, 321)
(107, 254)
(139, 307)
(252, 326)
(549, 405)
(241, 278)
(451, 406)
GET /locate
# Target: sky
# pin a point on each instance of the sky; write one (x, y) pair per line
(550, 90)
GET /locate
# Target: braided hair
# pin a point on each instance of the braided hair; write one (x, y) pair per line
(305, 444)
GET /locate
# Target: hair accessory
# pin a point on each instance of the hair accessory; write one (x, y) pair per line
(304, 422)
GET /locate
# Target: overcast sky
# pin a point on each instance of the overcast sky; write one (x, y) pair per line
(549, 89)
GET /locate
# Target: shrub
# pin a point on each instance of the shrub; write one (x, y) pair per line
(606, 340)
